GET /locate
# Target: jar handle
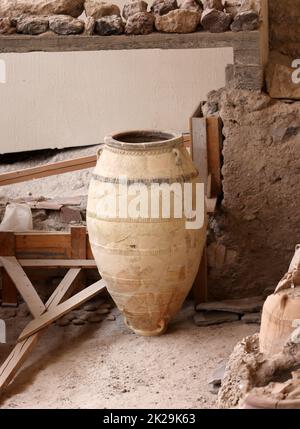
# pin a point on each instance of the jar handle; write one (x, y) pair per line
(178, 159)
(99, 151)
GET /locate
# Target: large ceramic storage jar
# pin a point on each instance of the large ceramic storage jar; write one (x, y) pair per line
(148, 262)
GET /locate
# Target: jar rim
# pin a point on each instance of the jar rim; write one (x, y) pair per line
(143, 139)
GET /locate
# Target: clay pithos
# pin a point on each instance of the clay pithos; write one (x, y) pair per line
(148, 294)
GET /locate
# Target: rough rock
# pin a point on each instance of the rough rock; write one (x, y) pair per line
(178, 21)
(247, 368)
(98, 9)
(232, 6)
(279, 75)
(284, 18)
(90, 307)
(32, 25)
(103, 311)
(39, 215)
(254, 318)
(134, 7)
(213, 4)
(247, 5)
(7, 313)
(64, 321)
(245, 21)
(239, 306)
(140, 23)
(111, 318)
(191, 5)
(89, 26)
(162, 7)
(207, 318)
(65, 25)
(9, 8)
(95, 318)
(67, 214)
(218, 375)
(109, 25)
(78, 322)
(215, 21)
(6, 26)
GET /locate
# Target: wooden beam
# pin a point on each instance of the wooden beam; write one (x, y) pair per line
(200, 284)
(78, 242)
(199, 147)
(198, 40)
(7, 248)
(47, 170)
(52, 315)
(20, 352)
(23, 284)
(88, 264)
(214, 146)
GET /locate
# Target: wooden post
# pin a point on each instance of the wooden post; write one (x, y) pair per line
(7, 248)
(200, 284)
(78, 251)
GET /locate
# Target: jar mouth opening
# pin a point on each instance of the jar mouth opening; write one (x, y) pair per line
(142, 138)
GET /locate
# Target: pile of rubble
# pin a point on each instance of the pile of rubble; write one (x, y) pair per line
(35, 17)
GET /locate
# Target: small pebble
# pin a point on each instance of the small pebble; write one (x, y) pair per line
(90, 307)
(78, 322)
(95, 319)
(84, 316)
(64, 321)
(103, 311)
(111, 317)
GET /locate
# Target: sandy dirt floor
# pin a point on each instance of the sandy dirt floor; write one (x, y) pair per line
(106, 366)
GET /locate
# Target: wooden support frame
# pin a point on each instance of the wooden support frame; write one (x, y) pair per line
(43, 315)
(206, 148)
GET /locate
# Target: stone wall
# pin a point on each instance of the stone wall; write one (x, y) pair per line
(253, 237)
(285, 26)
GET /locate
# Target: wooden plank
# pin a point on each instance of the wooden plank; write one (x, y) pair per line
(20, 352)
(64, 288)
(199, 148)
(214, 146)
(56, 313)
(211, 205)
(200, 284)
(198, 40)
(23, 284)
(88, 264)
(264, 32)
(248, 77)
(43, 245)
(7, 248)
(47, 170)
(78, 242)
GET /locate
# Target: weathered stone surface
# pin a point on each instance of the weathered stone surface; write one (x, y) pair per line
(215, 21)
(32, 25)
(89, 26)
(207, 318)
(90, 307)
(67, 214)
(178, 21)
(140, 23)
(64, 321)
(98, 9)
(6, 26)
(213, 4)
(261, 177)
(134, 7)
(192, 5)
(111, 318)
(9, 8)
(218, 375)
(7, 313)
(109, 25)
(64, 25)
(279, 78)
(239, 306)
(284, 26)
(245, 21)
(162, 7)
